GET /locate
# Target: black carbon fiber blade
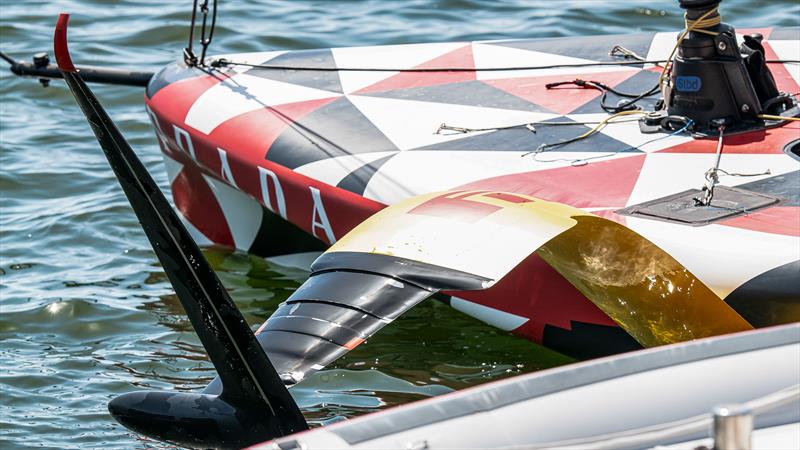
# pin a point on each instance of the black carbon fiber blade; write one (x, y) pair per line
(254, 404)
(348, 298)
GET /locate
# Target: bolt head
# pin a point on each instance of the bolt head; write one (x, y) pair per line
(41, 59)
(745, 108)
(722, 46)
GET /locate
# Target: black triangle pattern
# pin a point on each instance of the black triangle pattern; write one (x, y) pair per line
(325, 80)
(594, 48)
(356, 182)
(469, 93)
(336, 129)
(781, 186)
(522, 139)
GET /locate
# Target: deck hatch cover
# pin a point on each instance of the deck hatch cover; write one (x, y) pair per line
(681, 207)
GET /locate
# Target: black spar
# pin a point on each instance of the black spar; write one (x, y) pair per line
(254, 404)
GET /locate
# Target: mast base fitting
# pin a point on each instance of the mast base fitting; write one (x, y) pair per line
(713, 80)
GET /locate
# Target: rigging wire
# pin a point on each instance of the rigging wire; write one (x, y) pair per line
(530, 126)
(594, 130)
(576, 162)
(206, 33)
(619, 50)
(205, 41)
(712, 175)
(188, 52)
(222, 62)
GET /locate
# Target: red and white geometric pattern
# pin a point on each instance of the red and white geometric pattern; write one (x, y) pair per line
(333, 147)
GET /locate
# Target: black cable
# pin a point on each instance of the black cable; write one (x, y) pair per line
(530, 126)
(605, 89)
(224, 62)
(188, 53)
(205, 41)
(614, 91)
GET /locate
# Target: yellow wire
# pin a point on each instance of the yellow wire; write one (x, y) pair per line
(690, 26)
(771, 117)
(701, 23)
(600, 125)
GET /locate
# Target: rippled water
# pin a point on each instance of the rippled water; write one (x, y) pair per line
(85, 311)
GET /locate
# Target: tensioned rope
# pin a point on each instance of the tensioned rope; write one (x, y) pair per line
(218, 63)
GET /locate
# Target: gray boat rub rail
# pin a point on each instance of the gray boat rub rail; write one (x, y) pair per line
(772, 410)
(520, 389)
